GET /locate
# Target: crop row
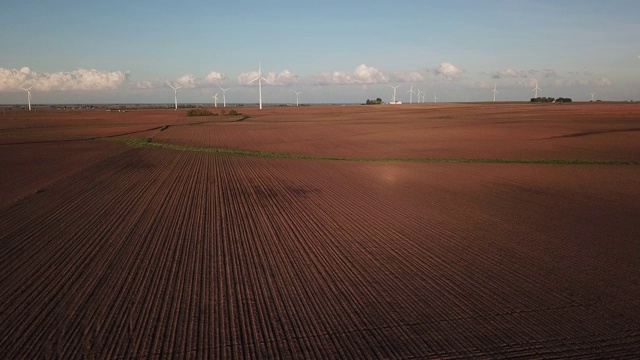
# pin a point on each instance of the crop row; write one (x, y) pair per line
(176, 254)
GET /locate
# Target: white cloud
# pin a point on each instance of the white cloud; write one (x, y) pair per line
(407, 76)
(81, 79)
(361, 75)
(285, 77)
(509, 73)
(190, 81)
(147, 84)
(247, 77)
(187, 81)
(448, 70)
(214, 77)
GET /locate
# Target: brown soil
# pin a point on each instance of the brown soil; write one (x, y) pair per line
(109, 251)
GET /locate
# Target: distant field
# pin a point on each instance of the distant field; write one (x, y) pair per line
(416, 231)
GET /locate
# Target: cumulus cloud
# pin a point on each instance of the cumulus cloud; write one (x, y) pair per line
(214, 77)
(81, 79)
(246, 77)
(509, 73)
(449, 70)
(146, 85)
(407, 76)
(361, 75)
(285, 77)
(187, 81)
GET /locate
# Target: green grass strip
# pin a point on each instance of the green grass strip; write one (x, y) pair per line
(147, 143)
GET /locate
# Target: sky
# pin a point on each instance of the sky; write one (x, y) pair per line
(123, 51)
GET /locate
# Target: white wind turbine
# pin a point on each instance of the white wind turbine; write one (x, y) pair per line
(536, 89)
(419, 96)
(215, 100)
(224, 96)
(592, 95)
(411, 91)
(260, 78)
(175, 95)
(297, 94)
(394, 92)
(28, 90)
(435, 99)
(495, 91)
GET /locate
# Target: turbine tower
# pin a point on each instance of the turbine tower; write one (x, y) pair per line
(28, 90)
(297, 94)
(260, 78)
(435, 99)
(175, 95)
(495, 91)
(592, 95)
(419, 92)
(536, 89)
(411, 91)
(215, 100)
(224, 96)
(394, 92)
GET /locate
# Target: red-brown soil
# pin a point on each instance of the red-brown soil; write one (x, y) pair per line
(127, 252)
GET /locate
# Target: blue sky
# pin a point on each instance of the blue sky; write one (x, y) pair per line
(331, 51)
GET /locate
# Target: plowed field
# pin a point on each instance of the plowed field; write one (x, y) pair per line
(448, 231)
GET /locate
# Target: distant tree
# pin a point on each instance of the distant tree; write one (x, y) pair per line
(199, 112)
(374, 102)
(543, 99)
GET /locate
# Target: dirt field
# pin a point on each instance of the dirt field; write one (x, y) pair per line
(417, 231)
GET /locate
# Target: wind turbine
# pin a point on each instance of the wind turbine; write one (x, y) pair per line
(435, 99)
(28, 90)
(394, 92)
(297, 94)
(175, 94)
(411, 91)
(215, 100)
(260, 78)
(224, 96)
(419, 92)
(592, 95)
(536, 89)
(495, 91)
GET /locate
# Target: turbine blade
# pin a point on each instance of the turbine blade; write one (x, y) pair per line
(268, 82)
